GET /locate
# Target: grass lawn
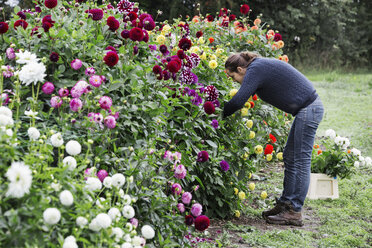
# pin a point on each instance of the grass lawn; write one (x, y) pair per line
(343, 222)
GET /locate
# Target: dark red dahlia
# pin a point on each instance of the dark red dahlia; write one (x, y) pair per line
(223, 12)
(269, 149)
(110, 48)
(47, 18)
(113, 23)
(35, 30)
(202, 156)
(3, 27)
(132, 16)
(136, 34)
(111, 58)
(37, 9)
(125, 34)
(232, 17)
(211, 93)
(201, 223)
(184, 44)
(21, 23)
(97, 14)
(163, 49)
(46, 26)
(189, 220)
(148, 23)
(210, 18)
(277, 37)
(244, 9)
(181, 54)
(50, 4)
(143, 16)
(157, 69)
(272, 138)
(166, 75)
(199, 34)
(173, 66)
(22, 15)
(145, 36)
(209, 107)
(54, 57)
(136, 24)
(135, 50)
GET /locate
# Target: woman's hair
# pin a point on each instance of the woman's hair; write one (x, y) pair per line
(243, 59)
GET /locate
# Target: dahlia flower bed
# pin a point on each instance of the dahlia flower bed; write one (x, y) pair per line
(110, 124)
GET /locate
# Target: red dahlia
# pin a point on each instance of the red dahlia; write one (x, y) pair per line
(223, 12)
(201, 222)
(132, 15)
(111, 58)
(252, 104)
(210, 18)
(189, 220)
(232, 17)
(269, 149)
(97, 14)
(46, 26)
(199, 34)
(244, 9)
(113, 23)
(136, 34)
(272, 138)
(209, 107)
(157, 69)
(21, 23)
(22, 15)
(173, 66)
(48, 18)
(3, 27)
(166, 75)
(50, 4)
(184, 44)
(254, 97)
(211, 92)
(277, 37)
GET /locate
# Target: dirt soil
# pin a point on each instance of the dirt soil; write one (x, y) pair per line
(217, 226)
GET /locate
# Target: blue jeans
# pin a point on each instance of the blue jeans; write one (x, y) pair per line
(297, 154)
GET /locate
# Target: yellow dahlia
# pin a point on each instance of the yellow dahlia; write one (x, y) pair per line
(258, 149)
(233, 92)
(252, 135)
(213, 64)
(249, 123)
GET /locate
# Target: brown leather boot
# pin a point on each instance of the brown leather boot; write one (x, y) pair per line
(287, 217)
(278, 208)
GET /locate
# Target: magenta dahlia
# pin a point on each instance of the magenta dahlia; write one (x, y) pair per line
(50, 4)
(180, 171)
(95, 80)
(76, 64)
(209, 107)
(181, 207)
(48, 88)
(176, 188)
(210, 18)
(224, 165)
(48, 18)
(105, 102)
(201, 223)
(184, 44)
(111, 58)
(22, 15)
(110, 122)
(186, 197)
(125, 6)
(277, 37)
(10, 53)
(203, 156)
(3, 27)
(102, 174)
(56, 102)
(181, 54)
(244, 9)
(76, 104)
(113, 23)
(136, 34)
(63, 92)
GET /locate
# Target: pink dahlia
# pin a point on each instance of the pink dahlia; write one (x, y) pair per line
(76, 104)
(48, 88)
(134, 222)
(97, 117)
(201, 223)
(3, 27)
(203, 156)
(76, 64)
(136, 34)
(105, 102)
(95, 80)
(56, 102)
(97, 14)
(90, 71)
(102, 174)
(209, 107)
(110, 122)
(181, 207)
(186, 197)
(176, 188)
(50, 4)
(63, 92)
(79, 89)
(180, 171)
(4, 97)
(111, 58)
(8, 71)
(196, 209)
(21, 23)
(113, 23)
(10, 53)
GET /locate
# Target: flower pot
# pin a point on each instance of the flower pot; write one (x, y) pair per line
(322, 187)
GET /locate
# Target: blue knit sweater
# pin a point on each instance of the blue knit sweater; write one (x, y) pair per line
(275, 82)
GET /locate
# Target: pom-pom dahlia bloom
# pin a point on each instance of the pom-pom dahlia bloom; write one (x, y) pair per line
(111, 58)
(70, 162)
(102, 174)
(32, 72)
(118, 180)
(93, 184)
(76, 64)
(201, 223)
(105, 102)
(128, 212)
(147, 232)
(10, 53)
(50, 4)
(268, 149)
(184, 44)
(176, 188)
(73, 147)
(48, 88)
(189, 220)
(136, 34)
(214, 123)
(209, 107)
(33, 133)
(20, 178)
(76, 104)
(244, 9)
(211, 93)
(95, 80)
(51, 216)
(56, 102)
(4, 27)
(113, 23)
(66, 198)
(180, 171)
(56, 140)
(196, 209)
(186, 197)
(181, 207)
(97, 14)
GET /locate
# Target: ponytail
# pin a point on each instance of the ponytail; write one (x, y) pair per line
(243, 59)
